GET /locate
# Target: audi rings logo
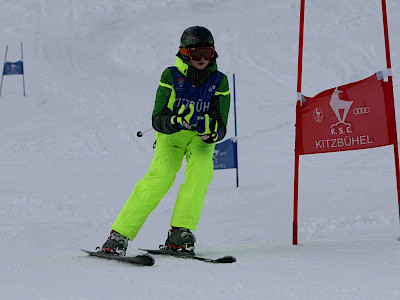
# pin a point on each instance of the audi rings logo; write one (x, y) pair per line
(361, 110)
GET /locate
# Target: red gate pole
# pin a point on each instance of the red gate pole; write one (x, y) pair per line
(298, 123)
(298, 141)
(390, 80)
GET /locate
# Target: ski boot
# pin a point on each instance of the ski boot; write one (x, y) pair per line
(116, 244)
(180, 239)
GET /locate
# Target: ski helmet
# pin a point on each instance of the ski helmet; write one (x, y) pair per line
(196, 36)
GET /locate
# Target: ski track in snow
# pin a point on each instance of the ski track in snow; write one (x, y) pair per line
(69, 155)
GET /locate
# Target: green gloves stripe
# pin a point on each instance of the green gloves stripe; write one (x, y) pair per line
(206, 128)
(185, 118)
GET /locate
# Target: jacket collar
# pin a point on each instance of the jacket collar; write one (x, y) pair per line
(181, 66)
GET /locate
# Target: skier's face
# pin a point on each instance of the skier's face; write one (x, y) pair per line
(199, 64)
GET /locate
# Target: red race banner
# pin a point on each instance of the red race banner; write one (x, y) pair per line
(357, 115)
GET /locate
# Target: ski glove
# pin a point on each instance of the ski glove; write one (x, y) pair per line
(207, 129)
(185, 118)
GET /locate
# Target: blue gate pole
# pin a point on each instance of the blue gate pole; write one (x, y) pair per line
(234, 108)
(23, 73)
(2, 73)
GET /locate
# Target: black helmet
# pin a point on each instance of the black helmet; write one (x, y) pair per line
(196, 36)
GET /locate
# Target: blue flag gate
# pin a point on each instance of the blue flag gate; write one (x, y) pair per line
(13, 68)
(226, 153)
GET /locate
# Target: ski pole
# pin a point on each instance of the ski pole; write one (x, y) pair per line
(140, 133)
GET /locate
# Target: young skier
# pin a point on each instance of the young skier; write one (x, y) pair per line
(190, 114)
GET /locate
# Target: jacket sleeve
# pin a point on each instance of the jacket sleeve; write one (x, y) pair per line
(220, 107)
(165, 97)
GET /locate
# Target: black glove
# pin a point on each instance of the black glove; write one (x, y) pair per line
(207, 129)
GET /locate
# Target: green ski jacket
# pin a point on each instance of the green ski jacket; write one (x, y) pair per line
(166, 96)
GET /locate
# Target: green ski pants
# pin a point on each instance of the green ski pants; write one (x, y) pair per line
(169, 152)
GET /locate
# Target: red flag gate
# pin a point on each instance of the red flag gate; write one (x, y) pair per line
(357, 115)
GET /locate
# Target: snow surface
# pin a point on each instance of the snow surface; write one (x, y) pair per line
(69, 155)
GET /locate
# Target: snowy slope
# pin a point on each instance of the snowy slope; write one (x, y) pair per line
(69, 155)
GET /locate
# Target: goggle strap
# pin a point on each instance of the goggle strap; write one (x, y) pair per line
(184, 51)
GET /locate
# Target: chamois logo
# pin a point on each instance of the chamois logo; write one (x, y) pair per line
(318, 114)
(341, 108)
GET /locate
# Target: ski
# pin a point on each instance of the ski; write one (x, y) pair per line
(142, 260)
(222, 260)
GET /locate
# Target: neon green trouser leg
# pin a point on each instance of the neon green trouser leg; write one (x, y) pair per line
(198, 175)
(167, 161)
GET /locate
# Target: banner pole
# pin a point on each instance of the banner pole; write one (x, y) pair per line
(390, 80)
(298, 123)
(234, 108)
(296, 197)
(300, 58)
(386, 34)
(297, 151)
(22, 64)
(2, 75)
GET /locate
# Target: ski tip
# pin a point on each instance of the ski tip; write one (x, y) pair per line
(143, 260)
(227, 259)
(147, 259)
(89, 252)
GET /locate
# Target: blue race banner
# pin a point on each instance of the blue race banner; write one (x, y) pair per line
(13, 68)
(225, 155)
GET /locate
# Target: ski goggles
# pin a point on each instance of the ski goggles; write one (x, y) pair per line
(198, 53)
